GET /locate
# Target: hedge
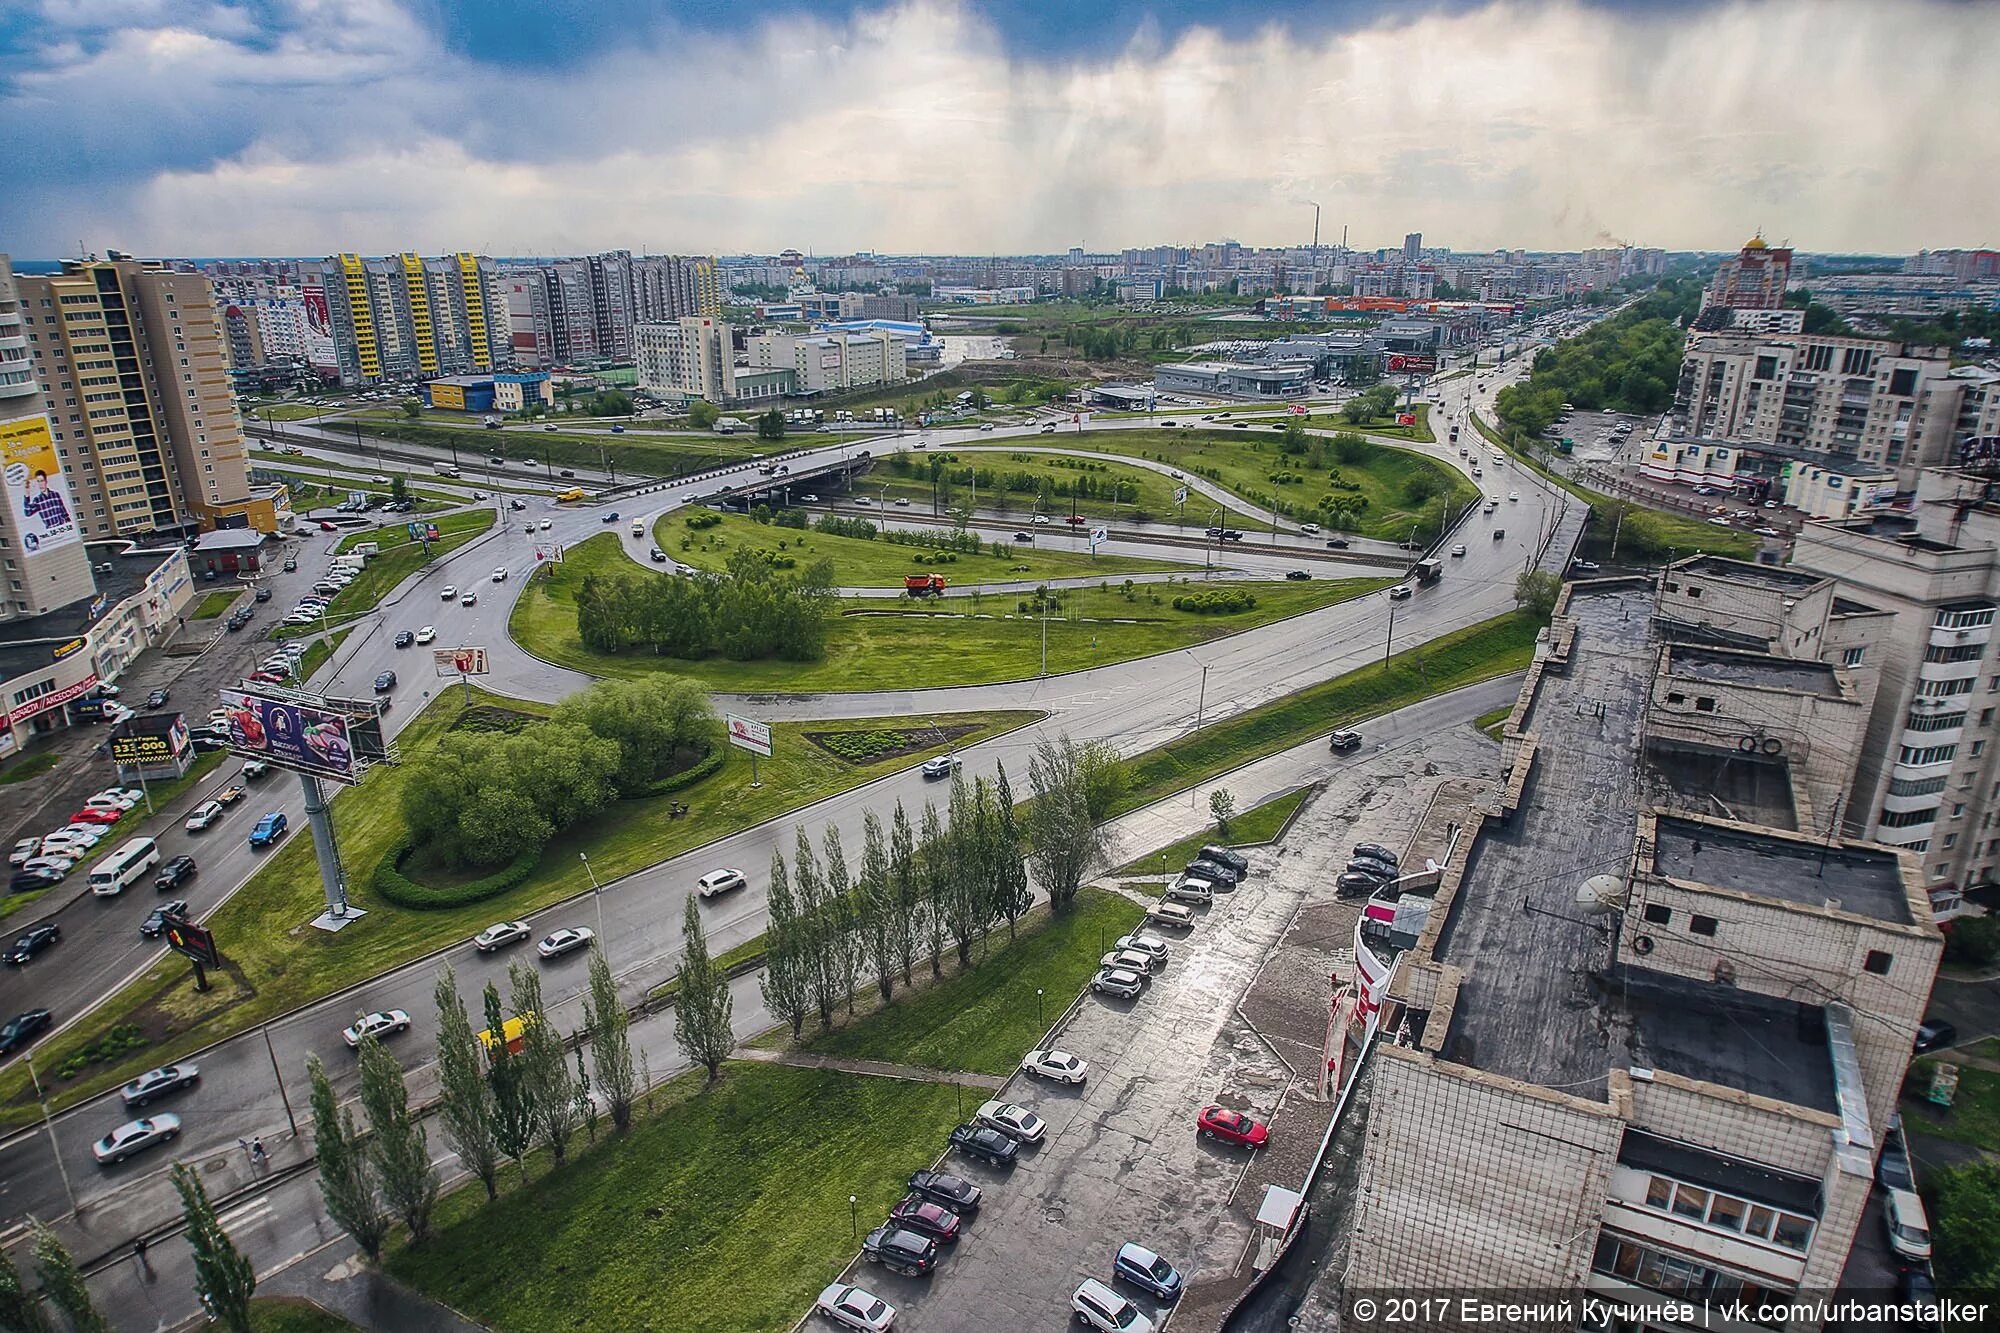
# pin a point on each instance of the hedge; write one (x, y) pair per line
(687, 777)
(394, 886)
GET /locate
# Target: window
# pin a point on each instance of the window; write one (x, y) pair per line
(1727, 1213)
(1978, 748)
(1691, 1202)
(1876, 962)
(1657, 914)
(1852, 657)
(1704, 704)
(1908, 818)
(1949, 840)
(1702, 925)
(1676, 697)
(1659, 1191)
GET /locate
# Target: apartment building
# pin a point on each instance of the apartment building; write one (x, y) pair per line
(687, 359)
(674, 286)
(1754, 280)
(405, 318)
(833, 362)
(531, 329)
(41, 555)
(134, 366)
(1643, 1038)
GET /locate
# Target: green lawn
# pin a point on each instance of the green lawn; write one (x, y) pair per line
(896, 645)
(984, 1019)
(1259, 824)
(399, 558)
(214, 604)
(319, 650)
(636, 451)
(254, 411)
(26, 766)
(909, 476)
(327, 484)
(1973, 1116)
(288, 1314)
(274, 960)
(1494, 723)
(726, 1211)
(1477, 652)
(860, 563)
(1249, 463)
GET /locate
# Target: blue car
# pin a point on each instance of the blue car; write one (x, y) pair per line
(1148, 1271)
(269, 829)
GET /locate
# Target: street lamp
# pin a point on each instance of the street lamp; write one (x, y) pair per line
(853, 1219)
(596, 893)
(1038, 1006)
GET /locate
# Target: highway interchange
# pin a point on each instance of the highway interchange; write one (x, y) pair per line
(1135, 705)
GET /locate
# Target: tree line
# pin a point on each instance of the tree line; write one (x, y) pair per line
(748, 612)
(486, 799)
(1629, 362)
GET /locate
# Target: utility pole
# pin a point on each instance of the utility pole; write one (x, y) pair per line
(55, 1149)
(278, 1074)
(1391, 639)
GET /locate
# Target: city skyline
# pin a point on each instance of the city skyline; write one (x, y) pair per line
(939, 128)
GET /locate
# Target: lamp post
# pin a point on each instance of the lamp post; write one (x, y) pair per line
(55, 1150)
(853, 1219)
(596, 893)
(1391, 639)
(1038, 1006)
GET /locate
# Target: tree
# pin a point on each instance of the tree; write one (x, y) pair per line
(544, 1064)
(814, 936)
(223, 1278)
(934, 870)
(1965, 1225)
(465, 1099)
(875, 899)
(1222, 809)
(345, 1183)
(702, 1004)
(702, 415)
(907, 888)
(513, 1098)
(20, 1309)
(1064, 843)
(399, 487)
(786, 985)
(412, 408)
(1011, 895)
(63, 1285)
(771, 426)
(397, 1144)
(1535, 591)
(961, 886)
(610, 1040)
(1103, 777)
(843, 919)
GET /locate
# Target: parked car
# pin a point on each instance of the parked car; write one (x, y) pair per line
(1172, 914)
(33, 941)
(1155, 949)
(135, 1136)
(954, 1192)
(1342, 741)
(1147, 1271)
(559, 942)
(1227, 856)
(157, 1083)
(1014, 1120)
(88, 815)
(22, 850)
(1933, 1034)
(381, 1023)
(28, 881)
(1097, 1306)
(499, 935)
(1908, 1227)
(1377, 852)
(1353, 885)
(155, 924)
(856, 1308)
(987, 1144)
(269, 829)
(1368, 865)
(1056, 1066)
(1129, 961)
(1214, 872)
(900, 1250)
(921, 1215)
(1190, 889)
(174, 873)
(1219, 1122)
(1121, 982)
(22, 1028)
(1892, 1169)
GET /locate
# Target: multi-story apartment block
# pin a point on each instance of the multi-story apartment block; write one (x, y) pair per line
(833, 362)
(134, 365)
(690, 358)
(1754, 280)
(406, 318)
(1631, 1045)
(41, 540)
(531, 326)
(668, 287)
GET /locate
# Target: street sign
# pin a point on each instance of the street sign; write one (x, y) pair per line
(748, 734)
(1097, 537)
(1180, 495)
(196, 942)
(459, 661)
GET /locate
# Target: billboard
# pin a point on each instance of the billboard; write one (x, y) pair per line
(192, 941)
(35, 487)
(299, 736)
(318, 330)
(42, 703)
(155, 747)
(1411, 364)
(745, 734)
(459, 661)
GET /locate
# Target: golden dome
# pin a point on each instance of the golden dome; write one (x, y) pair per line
(1755, 243)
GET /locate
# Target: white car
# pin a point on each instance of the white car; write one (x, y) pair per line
(1401, 592)
(855, 1308)
(74, 835)
(1513, 495)
(1155, 949)
(132, 795)
(545, 525)
(1129, 959)
(499, 935)
(202, 816)
(135, 1136)
(381, 1023)
(22, 850)
(1172, 914)
(499, 576)
(1459, 549)
(1015, 1121)
(447, 592)
(719, 881)
(54, 864)
(1041, 520)
(1056, 1066)
(559, 942)
(426, 634)
(1097, 1306)
(1309, 527)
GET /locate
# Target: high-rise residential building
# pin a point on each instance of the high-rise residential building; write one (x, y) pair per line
(41, 535)
(833, 362)
(1754, 280)
(1413, 247)
(407, 318)
(611, 302)
(531, 329)
(687, 358)
(134, 365)
(674, 286)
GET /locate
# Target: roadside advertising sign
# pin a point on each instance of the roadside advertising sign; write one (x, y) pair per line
(747, 734)
(460, 661)
(192, 941)
(302, 737)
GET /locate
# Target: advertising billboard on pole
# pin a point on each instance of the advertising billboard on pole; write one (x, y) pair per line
(35, 488)
(746, 734)
(459, 661)
(300, 736)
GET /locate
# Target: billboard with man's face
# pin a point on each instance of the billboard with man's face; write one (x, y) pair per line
(36, 491)
(291, 735)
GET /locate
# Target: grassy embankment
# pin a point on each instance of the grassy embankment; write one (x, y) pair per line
(398, 557)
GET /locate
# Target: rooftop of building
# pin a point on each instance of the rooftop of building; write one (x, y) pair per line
(1844, 607)
(1752, 788)
(1861, 879)
(1797, 674)
(229, 539)
(28, 643)
(463, 381)
(1743, 571)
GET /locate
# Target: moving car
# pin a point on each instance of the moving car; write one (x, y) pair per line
(155, 924)
(1097, 1306)
(269, 829)
(175, 873)
(1336, 543)
(404, 638)
(447, 592)
(659, 557)
(1147, 1271)
(256, 768)
(385, 681)
(1056, 1066)
(1013, 1120)
(499, 935)
(855, 1308)
(1024, 536)
(926, 1218)
(469, 599)
(719, 881)
(1219, 1122)
(34, 941)
(1458, 548)
(22, 1028)
(156, 698)
(231, 794)
(500, 575)
(158, 1083)
(1122, 982)
(135, 1136)
(954, 1192)
(989, 1145)
(202, 816)
(1342, 741)
(900, 1250)
(426, 634)
(559, 942)
(381, 1023)
(1298, 575)
(942, 766)
(1401, 592)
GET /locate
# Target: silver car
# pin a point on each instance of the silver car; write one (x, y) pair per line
(1155, 949)
(1132, 960)
(135, 1136)
(1122, 982)
(499, 935)
(158, 1083)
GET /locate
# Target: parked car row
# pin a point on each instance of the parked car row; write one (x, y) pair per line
(1371, 868)
(43, 862)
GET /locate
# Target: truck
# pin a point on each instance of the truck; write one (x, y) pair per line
(1428, 571)
(446, 470)
(352, 562)
(924, 585)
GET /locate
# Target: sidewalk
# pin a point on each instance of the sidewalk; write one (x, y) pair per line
(868, 1068)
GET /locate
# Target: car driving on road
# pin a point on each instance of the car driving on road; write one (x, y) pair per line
(720, 881)
(499, 935)
(559, 942)
(381, 1023)
(157, 1083)
(135, 1136)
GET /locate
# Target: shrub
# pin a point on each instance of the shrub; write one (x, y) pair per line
(707, 518)
(1972, 941)
(1219, 602)
(120, 1039)
(394, 886)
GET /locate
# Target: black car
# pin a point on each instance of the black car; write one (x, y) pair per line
(900, 1250)
(156, 698)
(1352, 885)
(385, 681)
(611, 517)
(1298, 575)
(155, 925)
(1225, 856)
(23, 1028)
(1934, 1033)
(954, 1192)
(1368, 865)
(27, 881)
(263, 594)
(657, 556)
(1214, 871)
(404, 639)
(988, 1145)
(174, 873)
(1231, 535)
(1376, 851)
(1336, 543)
(291, 566)
(1893, 1169)
(566, 472)
(37, 939)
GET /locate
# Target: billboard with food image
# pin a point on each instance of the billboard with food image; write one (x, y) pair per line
(298, 736)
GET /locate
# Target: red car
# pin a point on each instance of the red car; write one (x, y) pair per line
(1231, 1127)
(1076, 520)
(96, 817)
(267, 677)
(927, 1218)
(325, 526)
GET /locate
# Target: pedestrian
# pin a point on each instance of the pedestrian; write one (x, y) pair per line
(139, 1251)
(257, 1149)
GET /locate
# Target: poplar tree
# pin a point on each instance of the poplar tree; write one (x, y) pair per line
(223, 1278)
(465, 1106)
(1011, 892)
(934, 873)
(544, 1065)
(397, 1144)
(345, 1183)
(610, 1041)
(513, 1098)
(907, 892)
(702, 1004)
(787, 990)
(843, 918)
(815, 936)
(20, 1309)
(875, 898)
(63, 1285)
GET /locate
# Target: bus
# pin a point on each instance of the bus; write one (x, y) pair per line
(118, 871)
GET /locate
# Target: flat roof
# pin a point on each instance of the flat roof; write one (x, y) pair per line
(229, 539)
(1864, 880)
(1743, 571)
(1750, 788)
(26, 643)
(1718, 1034)
(1799, 675)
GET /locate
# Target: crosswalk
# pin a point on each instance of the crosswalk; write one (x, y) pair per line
(245, 1214)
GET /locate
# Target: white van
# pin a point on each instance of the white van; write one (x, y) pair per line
(124, 867)
(1909, 1229)
(638, 528)
(366, 549)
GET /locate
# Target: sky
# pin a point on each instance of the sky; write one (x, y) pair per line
(526, 127)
